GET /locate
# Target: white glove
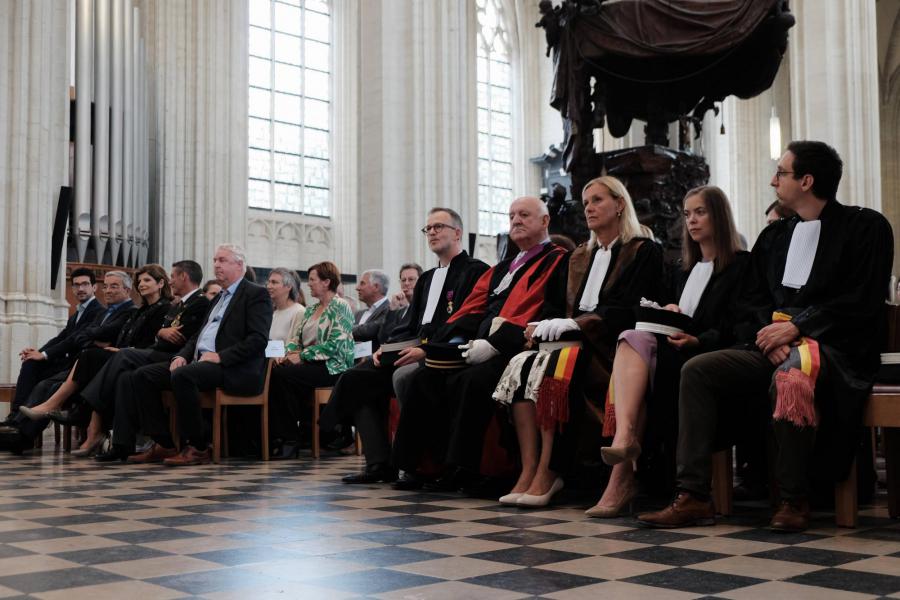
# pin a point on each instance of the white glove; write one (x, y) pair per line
(551, 329)
(478, 351)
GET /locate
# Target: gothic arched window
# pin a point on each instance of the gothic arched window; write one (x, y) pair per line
(495, 172)
(289, 106)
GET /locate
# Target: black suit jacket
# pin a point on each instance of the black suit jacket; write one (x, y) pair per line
(190, 315)
(71, 328)
(97, 330)
(242, 338)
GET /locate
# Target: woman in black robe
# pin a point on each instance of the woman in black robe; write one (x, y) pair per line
(647, 365)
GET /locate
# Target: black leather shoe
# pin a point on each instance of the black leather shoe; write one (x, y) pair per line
(373, 474)
(8, 429)
(284, 450)
(78, 415)
(409, 481)
(15, 442)
(457, 479)
(115, 453)
(343, 440)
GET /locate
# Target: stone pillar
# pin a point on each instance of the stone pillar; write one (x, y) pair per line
(889, 60)
(834, 89)
(417, 143)
(34, 163)
(197, 117)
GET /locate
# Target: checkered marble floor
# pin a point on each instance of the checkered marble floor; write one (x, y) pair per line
(73, 529)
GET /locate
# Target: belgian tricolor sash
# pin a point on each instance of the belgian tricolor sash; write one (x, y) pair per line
(795, 381)
(553, 394)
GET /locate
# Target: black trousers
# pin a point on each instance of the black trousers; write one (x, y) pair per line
(138, 406)
(101, 393)
(446, 415)
(43, 390)
(721, 391)
(187, 383)
(290, 396)
(31, 374)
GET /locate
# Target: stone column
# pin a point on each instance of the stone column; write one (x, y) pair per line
(197, 105)
(834, 89)
(417, 143)
(34, 163)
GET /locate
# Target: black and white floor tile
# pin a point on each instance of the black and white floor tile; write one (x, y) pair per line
(73, 529)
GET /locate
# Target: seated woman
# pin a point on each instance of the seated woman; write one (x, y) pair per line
(605, 278)
(138, 332)
(710, 271)
(320, 349)
(287, 298)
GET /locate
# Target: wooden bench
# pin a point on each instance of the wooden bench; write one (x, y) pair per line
(882, 410)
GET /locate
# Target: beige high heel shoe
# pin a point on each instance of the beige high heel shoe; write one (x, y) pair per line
(613, 455)
(608, 512)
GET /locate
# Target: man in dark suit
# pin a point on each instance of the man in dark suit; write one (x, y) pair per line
(101, 332)
(372, 289)
(56, 354)
(114, 382)
(227, 352)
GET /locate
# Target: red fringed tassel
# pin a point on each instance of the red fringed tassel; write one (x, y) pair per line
(609, 415)
(553, 403)
(794, 401)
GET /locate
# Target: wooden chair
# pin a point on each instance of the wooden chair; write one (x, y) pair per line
(882, 410)
(321, 396)
(218, 400)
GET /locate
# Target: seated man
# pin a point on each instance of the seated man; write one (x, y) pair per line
(813, 302)
(57, 355)
(114, 383)
(362, 393)
(227, 352)
(447, 413)
(101, 332)
(372, 289)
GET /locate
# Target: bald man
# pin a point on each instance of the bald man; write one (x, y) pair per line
(448, 412)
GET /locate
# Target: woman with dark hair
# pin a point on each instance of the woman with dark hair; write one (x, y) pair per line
(139, 331)
(319, 350)
(647, 365)
(288, 300)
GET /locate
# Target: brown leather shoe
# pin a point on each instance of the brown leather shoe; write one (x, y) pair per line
(792, 516)
(685, 510)
(188, 456)
(155, 454)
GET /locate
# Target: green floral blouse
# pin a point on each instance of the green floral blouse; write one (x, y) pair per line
(334, 338)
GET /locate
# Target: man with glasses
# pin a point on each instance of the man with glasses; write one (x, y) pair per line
(99, 331)
(56, 355)
(811, 315)
(362, 393)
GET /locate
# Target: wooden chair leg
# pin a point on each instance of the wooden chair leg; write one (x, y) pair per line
(358, 442)
(722, 481)
(67, 438)
(173, 427)
(892, 469)
(264, 418)
(315, 425)
(56, 433)
(224, 452)
(217, 433)
(846, 507)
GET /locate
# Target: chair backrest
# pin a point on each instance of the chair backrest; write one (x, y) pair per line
(265, 391)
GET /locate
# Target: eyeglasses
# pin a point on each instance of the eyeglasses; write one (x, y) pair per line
(437, 228)
(84, 284)
(780, 174)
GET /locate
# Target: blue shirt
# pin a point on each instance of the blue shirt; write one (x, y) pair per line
(207, 340)
(114, 307)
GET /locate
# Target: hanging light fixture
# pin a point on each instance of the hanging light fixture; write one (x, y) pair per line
(774, 136)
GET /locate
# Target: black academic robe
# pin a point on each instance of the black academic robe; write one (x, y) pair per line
(366, 384)
(842, 307)
(448, 412)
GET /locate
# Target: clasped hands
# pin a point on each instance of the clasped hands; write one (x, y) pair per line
(775, 340)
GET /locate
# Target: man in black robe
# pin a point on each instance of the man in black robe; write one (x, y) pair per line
(362, 393)
(447, 412)
(812, 314)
